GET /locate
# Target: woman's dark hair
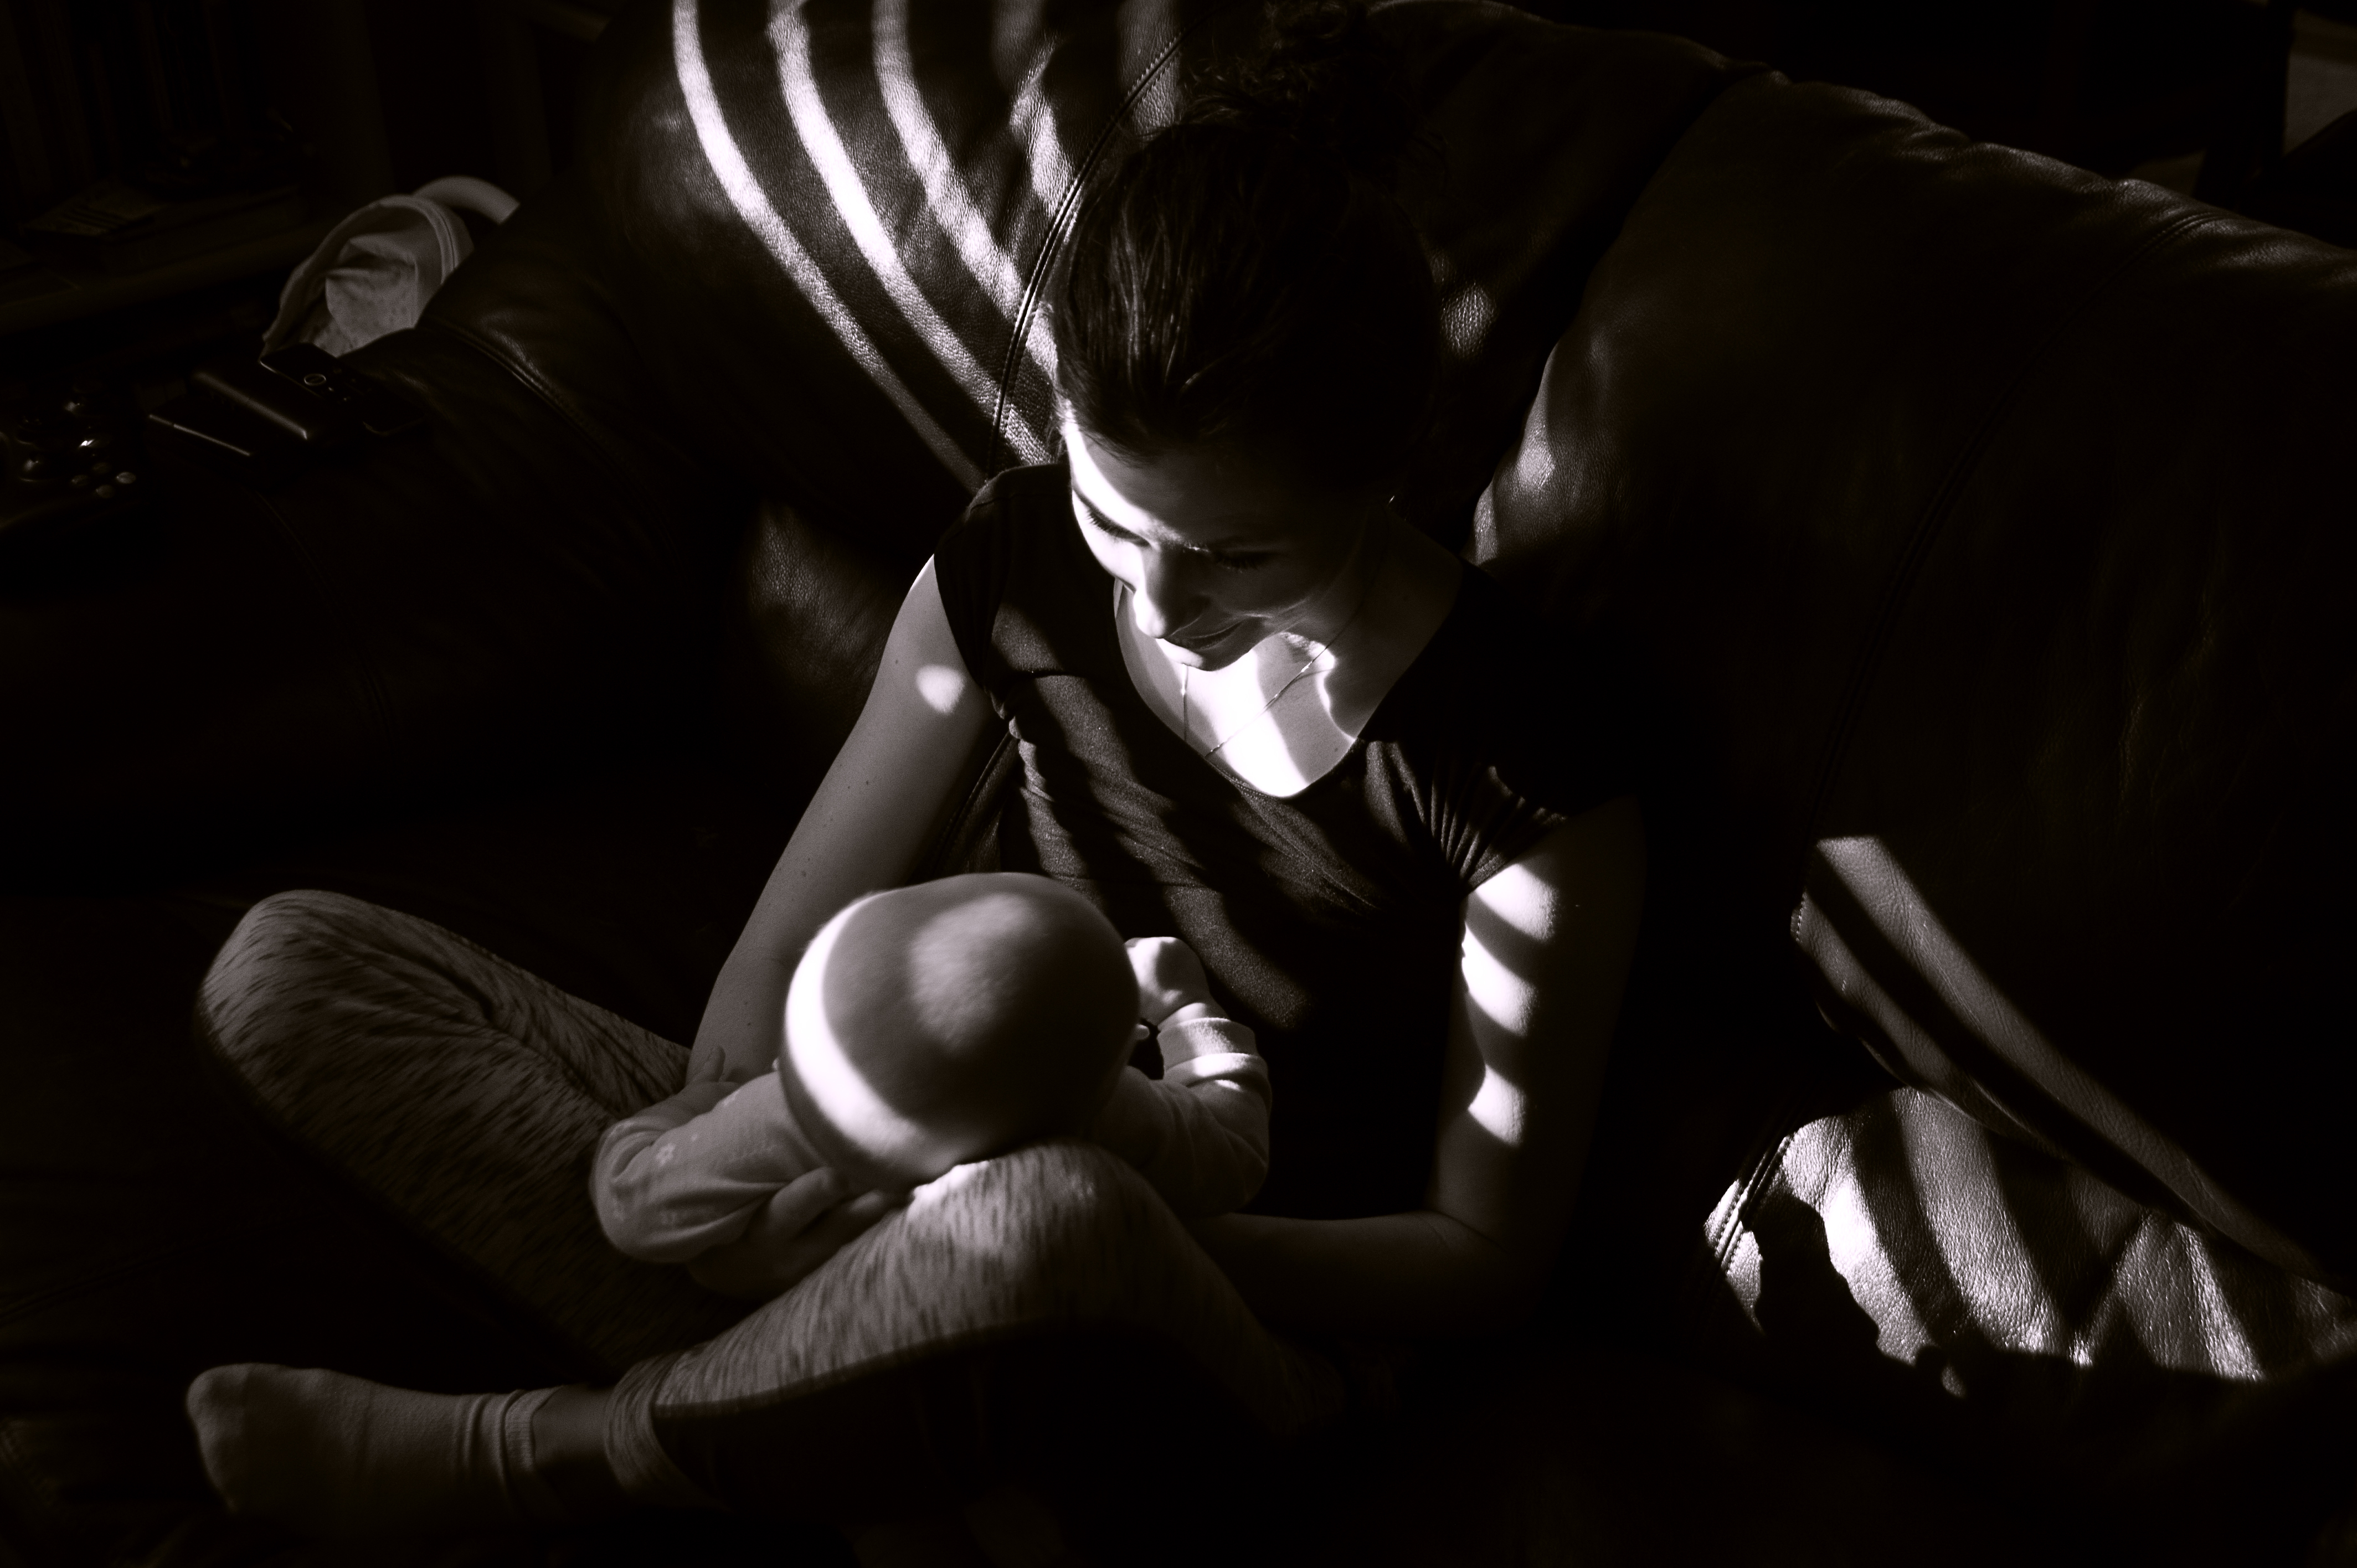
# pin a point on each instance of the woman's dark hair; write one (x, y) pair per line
(1245, 278)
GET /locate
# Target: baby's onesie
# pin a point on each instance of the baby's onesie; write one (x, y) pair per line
(690, 1172)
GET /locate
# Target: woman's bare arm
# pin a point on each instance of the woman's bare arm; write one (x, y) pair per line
(895, 781)
(1546, 952)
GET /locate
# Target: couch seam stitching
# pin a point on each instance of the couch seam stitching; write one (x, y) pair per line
(548, 395)
(1059, 222)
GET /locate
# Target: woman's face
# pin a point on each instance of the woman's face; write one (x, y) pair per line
(1219, 552)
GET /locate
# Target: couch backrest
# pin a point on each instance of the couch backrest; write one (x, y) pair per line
(798, 261)
(807, 250)
(828, 228)
(1983, 531)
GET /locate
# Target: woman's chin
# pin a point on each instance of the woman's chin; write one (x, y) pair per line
(1217, 654)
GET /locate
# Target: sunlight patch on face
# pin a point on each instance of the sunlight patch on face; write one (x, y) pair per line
(940, 687)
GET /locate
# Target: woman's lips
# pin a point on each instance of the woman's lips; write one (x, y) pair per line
(1203, 645)
(1190, 637)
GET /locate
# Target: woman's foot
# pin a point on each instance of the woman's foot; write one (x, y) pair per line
(332, 1455)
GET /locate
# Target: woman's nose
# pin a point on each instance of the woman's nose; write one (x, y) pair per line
(1165, 599)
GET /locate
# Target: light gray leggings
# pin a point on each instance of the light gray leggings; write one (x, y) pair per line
(1017, 1316)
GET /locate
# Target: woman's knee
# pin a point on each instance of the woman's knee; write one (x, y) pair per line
(276, 935)
(304, 922)
(1066, 1216)
(291, 951)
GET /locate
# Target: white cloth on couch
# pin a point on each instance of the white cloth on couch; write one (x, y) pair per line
(375, 271)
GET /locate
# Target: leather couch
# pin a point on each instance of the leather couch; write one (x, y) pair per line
(1968, 533)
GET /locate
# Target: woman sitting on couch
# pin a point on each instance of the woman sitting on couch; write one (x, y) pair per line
(1255, 711)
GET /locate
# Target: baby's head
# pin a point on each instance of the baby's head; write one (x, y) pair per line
(939, 1022)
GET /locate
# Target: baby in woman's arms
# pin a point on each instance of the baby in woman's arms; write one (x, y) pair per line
(943, 1023)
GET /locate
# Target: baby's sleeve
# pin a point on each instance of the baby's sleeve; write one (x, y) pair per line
(689, 1173)
(1200, 1135)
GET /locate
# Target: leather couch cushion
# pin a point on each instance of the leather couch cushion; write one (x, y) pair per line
(1967, 1295)
(1967, 1251)
(1980, 529)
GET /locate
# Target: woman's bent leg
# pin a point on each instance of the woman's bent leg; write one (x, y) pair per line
(464, 1095)
(1040, 1319)
(1034, 1324)
(1037, 1320)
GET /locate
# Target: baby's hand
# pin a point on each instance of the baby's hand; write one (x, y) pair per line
(1170, 976)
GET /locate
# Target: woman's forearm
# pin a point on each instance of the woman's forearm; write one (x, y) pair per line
(1414, 1274)
(744, 1019)
(906, 766)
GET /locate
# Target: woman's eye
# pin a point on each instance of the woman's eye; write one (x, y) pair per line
(1094, 524)
(1246, 561)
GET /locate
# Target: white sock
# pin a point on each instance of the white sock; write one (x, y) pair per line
(332, 1455)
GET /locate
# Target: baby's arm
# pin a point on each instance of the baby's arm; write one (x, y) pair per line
(1199, 1135)
(690, 1172)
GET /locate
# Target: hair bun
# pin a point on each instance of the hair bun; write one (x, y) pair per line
(1324, 78)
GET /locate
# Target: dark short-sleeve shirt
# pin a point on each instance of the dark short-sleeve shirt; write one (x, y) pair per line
(1330, 920)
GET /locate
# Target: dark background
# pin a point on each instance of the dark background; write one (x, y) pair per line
(373, 96)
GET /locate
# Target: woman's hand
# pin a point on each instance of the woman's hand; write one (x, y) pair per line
(735, 1057)
(707, 1062)
(1170, 976)
(807, 1221)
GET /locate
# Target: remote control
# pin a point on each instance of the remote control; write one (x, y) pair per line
(262, 420)
(322, 375)
(305, 392)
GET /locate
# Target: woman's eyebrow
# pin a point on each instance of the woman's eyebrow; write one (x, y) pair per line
(1223, 547)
